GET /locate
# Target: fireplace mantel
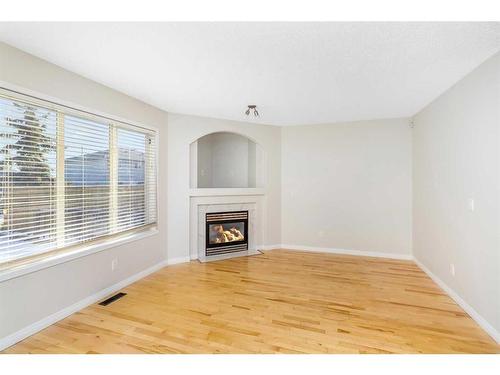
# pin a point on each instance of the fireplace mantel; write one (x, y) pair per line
(201, 205)
(217, 192)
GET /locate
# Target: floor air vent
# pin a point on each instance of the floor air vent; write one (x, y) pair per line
(112, 299)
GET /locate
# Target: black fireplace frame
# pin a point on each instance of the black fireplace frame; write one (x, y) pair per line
(225, 247)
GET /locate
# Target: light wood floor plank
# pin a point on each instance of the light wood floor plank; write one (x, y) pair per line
(279, 302)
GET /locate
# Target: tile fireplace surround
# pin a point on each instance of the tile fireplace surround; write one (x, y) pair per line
(201, 205)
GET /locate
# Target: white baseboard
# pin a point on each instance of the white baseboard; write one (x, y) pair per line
(346, 252)
(15, 337)
(178, 260)
(483, 323)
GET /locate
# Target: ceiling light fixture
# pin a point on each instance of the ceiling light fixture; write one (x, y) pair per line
(252, 108)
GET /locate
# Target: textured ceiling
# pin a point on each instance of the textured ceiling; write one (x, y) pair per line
(297, 73)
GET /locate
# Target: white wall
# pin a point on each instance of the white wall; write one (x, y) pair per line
(348, 186)
(456, 157)
(27, 299)
(226, 160)
(253, 154)
(229, 160)
(204, 163)
(182, 131)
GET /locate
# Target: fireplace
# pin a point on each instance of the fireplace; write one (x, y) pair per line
(226, 232)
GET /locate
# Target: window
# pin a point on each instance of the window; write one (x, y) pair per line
(68, 177)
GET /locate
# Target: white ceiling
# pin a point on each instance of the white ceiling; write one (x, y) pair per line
(297, 73)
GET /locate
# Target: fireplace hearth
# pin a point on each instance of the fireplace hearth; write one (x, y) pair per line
(226, 232)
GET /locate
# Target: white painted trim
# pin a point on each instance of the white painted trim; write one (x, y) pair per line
(81, 251)
(210, 192)
(344, 252)
(178, 260)
(15, 337)
(483, 323)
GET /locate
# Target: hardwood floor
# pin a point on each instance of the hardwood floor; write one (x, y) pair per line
(278, 302)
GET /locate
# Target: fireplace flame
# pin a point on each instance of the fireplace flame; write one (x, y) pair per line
(223, 235)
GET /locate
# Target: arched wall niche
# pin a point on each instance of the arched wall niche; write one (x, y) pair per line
(226, 160)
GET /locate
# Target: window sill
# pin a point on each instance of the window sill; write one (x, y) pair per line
(81, 251)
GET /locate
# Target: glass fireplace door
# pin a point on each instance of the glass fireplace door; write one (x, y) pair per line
(226, 232)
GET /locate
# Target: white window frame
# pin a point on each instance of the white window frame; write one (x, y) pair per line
(59, 255)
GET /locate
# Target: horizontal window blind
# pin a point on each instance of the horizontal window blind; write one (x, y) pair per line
(87, 183)
(27, 179)
(136, 190)
(67, 178)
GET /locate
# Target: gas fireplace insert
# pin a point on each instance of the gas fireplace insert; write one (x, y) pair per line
(226, 232)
